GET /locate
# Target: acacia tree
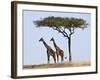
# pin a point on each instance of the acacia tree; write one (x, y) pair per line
(64, 25)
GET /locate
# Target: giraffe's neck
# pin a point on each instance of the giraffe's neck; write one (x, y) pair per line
(55, 45)
(45, 44)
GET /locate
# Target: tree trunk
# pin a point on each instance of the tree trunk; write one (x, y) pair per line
(69, 48)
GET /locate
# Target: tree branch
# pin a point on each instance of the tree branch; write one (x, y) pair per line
(63, 32)
(72, 31)
(54, 28)
(60, 31)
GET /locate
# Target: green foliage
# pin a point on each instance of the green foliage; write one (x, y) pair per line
(65, 22)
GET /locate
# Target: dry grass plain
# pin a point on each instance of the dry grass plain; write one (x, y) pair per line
(58, 65)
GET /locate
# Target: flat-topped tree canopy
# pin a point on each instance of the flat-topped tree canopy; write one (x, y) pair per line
(66, 22)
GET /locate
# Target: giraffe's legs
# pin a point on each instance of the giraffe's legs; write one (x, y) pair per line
(54, 58)
(48, 57)
(57, 58)
(61, 57)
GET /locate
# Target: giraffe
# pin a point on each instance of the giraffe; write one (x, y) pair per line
(50, 51)
(59, 52)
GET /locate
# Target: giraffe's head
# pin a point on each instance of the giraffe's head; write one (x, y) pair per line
(52, 39)
(41, 39)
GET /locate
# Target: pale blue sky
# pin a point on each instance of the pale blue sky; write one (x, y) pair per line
(34, 51)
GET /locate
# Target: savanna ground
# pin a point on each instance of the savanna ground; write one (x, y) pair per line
(57, 65)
